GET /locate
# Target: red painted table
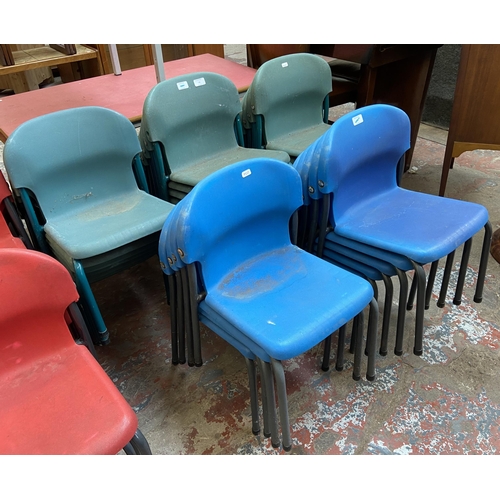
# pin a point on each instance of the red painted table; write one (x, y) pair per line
(124, 93)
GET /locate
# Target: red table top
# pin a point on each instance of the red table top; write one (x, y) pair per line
(124, 93)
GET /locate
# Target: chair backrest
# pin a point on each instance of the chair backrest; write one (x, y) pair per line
(237, 213)
(289, 92)
(192, 117)
(357, 158)
(73, 158)
(35, 290)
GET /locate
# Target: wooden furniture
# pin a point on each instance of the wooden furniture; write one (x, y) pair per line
(475, 117)
(390, 74)
(125, 93)
(44, 57)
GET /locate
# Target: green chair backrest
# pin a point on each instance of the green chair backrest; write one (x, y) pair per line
(289, 92)
(192, 117)
(73, 159)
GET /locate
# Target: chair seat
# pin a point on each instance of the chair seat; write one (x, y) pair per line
(271, 308)
(422, 227)
(194, 173)
(69, 382)
(294, 143)
(107, 225)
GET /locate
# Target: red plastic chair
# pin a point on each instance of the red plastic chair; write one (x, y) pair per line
(55, 398)
(12, 232)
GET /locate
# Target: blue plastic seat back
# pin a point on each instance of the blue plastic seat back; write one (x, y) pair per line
(73, 159)
(192, 117)
(289, 92)
(357, 158)
(236, 214)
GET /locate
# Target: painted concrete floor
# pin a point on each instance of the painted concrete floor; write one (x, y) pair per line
(445, 402)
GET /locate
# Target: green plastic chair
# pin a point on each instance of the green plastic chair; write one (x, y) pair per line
(286, 106)
(74, 172)
(190, 128)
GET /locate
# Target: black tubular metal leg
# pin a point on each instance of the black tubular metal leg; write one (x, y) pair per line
(181, 332)
(483, 264)
(173, 319)
(389, 292)
(313, 226)
(187, 316)
(419, 314)
(266, 415)
(413, 292)
(371, 339)
(195, 326)
(129, 449)
(457, 300)
(358, 345)
(279, 376)
(403, 297)
(354, 333)
(339, 364)
(430, 283)
(254, 399)
(140, 444)
(446, 279)
(267, 379)
(325, 366)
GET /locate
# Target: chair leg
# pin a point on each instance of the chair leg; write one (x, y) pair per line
(325, 366)
(372, 340)
(101, 337)
(187, 316)
(173, 318)
(430, 283)
(413, 292)
(403, 297)
(419, 314)
(268, 393)
(389, 292)
(457, 300)
(279, 376)
(180, 319)
(488, 234)
(358, 345)
(339, 365)
(140, 444)
(192, 283)
(446, 279)
(254, 401)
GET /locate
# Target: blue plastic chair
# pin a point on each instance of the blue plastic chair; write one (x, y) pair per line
(286, 106)
(76, 172)
(257, 286)
(356, 162)
(190, 128)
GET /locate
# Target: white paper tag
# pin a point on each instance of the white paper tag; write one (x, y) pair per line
(199, 82)
(246, 173)
(284, 65)
(182, 85)
(356, 120)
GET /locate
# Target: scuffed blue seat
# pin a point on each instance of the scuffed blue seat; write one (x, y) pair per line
(274, 298)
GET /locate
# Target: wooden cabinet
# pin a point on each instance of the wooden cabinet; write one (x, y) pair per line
(475, 117)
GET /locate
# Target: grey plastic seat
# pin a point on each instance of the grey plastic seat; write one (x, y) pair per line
(190, 129)
(73, 171)
(286, 106)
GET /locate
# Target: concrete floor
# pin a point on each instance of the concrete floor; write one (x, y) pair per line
(445, 402)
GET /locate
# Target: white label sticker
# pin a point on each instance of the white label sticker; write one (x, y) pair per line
(199, 82)
(182, 85)
(246, 173)
(356, 120)
(284, 65)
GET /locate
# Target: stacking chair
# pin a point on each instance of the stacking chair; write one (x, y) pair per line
(356, 165)
(286, 106)
(190, 128)
(77, 172)
(274, 298)
(55, 398)
(12, 232)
